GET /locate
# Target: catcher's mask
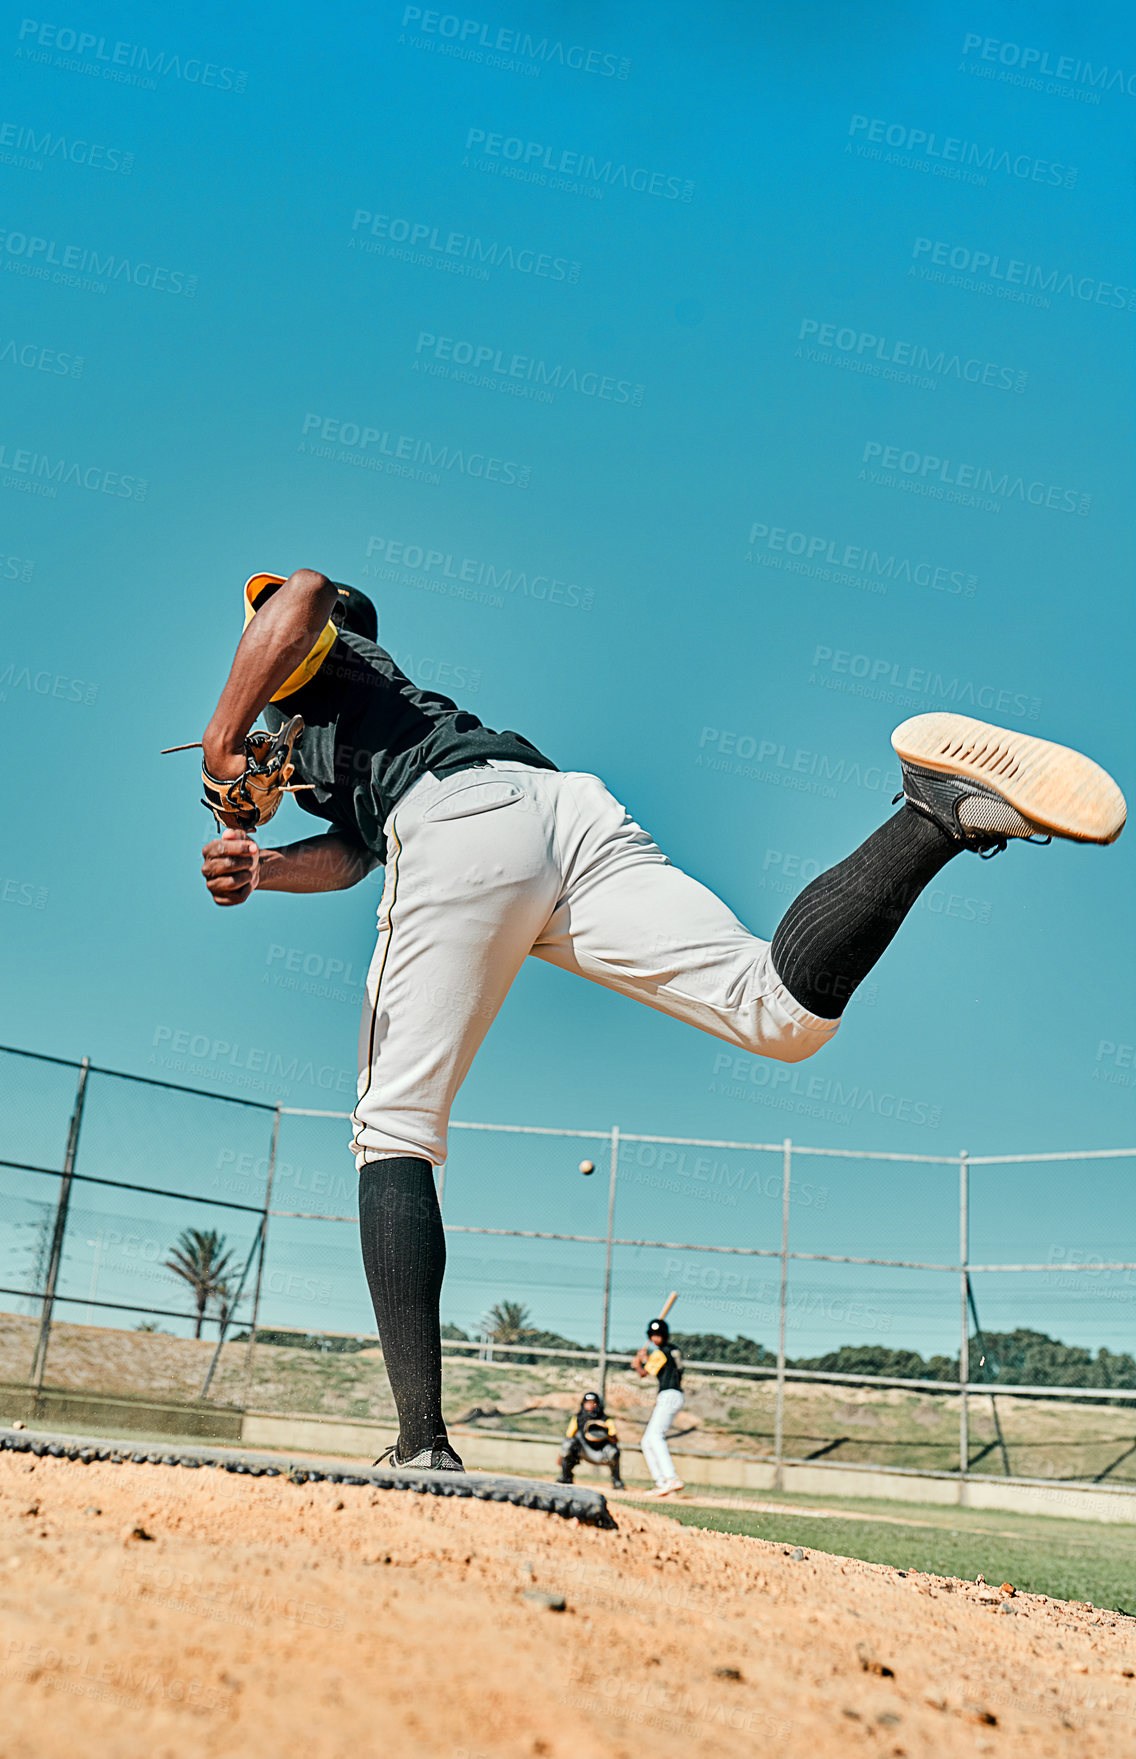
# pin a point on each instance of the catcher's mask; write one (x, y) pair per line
(659, 1330)
(593, 1400)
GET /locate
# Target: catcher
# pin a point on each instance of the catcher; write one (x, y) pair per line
(590, 1436)
(492, 853)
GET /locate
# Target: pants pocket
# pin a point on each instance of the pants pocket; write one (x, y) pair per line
(471, 798)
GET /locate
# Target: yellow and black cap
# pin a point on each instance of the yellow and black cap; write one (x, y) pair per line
(353, 611)
(259, 588)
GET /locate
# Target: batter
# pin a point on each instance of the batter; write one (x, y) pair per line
(660, 1359)
(493, 853)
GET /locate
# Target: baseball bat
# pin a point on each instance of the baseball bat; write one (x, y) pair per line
(669, 1303)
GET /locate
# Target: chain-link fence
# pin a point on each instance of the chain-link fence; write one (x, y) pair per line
(196, 1255)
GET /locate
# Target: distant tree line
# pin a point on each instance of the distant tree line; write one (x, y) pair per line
(1011, 1358)
(1008, 1358)
(327, 1345)
(508, 1323)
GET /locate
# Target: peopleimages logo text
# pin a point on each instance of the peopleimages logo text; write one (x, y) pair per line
(1036, 62)
(760, 1072)
(953, 150)
(485, 357)
(376, 447)
(797, 767)
(34, 357)
(422, 235)
(890, 679)
(1013, 272)
(860, 558)
(447, 565)
(251, 1060)
(535, 156)
(40, 474)
(471, 33)
(42, 145)
(120, 61)
(892, 350)
(977, 478)
(29, 254)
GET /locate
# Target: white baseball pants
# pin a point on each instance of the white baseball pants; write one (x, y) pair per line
(656, 1453)
(486, 866)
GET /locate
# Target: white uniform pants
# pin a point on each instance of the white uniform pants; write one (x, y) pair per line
(656, 1453)
(489, 865)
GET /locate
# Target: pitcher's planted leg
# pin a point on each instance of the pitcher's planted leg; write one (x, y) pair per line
(404, 1255)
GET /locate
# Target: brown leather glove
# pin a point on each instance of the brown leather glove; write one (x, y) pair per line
(250, 799)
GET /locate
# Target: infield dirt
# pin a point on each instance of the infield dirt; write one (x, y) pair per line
(163, 1612)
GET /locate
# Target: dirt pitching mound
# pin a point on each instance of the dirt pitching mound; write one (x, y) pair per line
(148, 1611)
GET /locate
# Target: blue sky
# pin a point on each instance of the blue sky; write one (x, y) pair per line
(839, 477)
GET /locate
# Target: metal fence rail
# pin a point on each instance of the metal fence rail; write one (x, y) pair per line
(248, 1156)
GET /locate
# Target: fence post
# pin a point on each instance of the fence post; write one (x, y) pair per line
(981, 1342)
(779, 1408)
(607, 1259)
(39, 1360)
(260, 1259)
(964, 1330)
(228, 1320)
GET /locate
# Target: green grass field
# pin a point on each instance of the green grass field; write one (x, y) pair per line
(1070, 1560)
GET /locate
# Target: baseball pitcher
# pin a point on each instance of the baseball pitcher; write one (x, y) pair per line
(493, 853)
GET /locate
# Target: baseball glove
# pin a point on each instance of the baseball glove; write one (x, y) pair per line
(250, 799)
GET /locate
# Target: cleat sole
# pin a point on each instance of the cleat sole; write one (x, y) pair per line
(1058, 789)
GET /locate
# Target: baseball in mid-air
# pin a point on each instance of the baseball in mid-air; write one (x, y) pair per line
(587, 1166)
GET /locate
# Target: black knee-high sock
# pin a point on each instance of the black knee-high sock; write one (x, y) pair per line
(404, 1256)
(831, 936)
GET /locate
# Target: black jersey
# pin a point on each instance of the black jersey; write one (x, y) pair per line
(370, 733)
(665, 1363)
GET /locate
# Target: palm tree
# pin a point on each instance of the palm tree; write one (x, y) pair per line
(202, 1260)
(507, 1322)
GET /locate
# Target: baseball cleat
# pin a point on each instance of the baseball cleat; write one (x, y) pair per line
(439, 1458)
(984, 784)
